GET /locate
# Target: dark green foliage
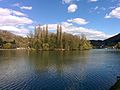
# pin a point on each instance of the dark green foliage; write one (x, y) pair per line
(7, 44)
(107, 43)
(1, 43)
(112, 40)
(37, 44)
(116, 86)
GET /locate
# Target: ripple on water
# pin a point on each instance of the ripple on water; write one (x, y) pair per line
(88, 72)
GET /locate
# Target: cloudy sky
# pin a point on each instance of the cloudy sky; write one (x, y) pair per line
(97, 19)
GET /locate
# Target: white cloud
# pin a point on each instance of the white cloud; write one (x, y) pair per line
(26, 7)
(76, 30)
(14, 21)
(51, 26)
(72, 8)
(16, 5)
(12, 17)
(90, 33)
(22, 7)
(15, 30)
(66, 24)
(79, 21)
(18, 13)
(67, 1)
(107, 16)
(96, 8)
(93, 0)
(115, 13)
(6, 11)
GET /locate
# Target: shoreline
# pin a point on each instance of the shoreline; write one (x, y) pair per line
(41, 50)
(13, 49)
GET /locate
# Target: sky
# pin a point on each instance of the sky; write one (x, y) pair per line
(97, 19)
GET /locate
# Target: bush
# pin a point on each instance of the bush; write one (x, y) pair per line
(45, 46)
(118, 45)
(7, 46)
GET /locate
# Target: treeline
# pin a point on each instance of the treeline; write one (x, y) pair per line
(41, 39)
(7, 44)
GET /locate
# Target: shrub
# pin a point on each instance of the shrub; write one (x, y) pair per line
(7, 46)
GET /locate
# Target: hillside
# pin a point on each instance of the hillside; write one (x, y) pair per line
(97, 43)
(7, 36)
(112, 40)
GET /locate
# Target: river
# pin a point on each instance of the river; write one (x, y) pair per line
(96, 69)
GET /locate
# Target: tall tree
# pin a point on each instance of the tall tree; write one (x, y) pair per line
(61, 44)
(59, 40)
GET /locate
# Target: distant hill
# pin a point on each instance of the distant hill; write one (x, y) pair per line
(97, 43)
(112, 40)
(7, 36)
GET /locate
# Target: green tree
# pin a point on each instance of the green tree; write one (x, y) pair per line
(37, 44)
(44, 40)
(7, 46)
(45, 46)
(118, 45)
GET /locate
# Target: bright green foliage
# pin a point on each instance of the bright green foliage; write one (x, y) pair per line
(7, 46)
(84, 43)
(45, 46)
(118, 45)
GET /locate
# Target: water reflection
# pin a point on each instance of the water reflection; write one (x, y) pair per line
(58, 62)
(85, 70)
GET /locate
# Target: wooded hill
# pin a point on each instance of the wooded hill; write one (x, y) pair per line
(9, 40)
(110, 42)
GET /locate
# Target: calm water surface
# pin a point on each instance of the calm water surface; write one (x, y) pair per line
(85, 70)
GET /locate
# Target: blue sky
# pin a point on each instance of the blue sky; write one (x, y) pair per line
(97, 19)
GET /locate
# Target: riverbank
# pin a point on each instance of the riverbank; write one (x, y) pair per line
(116, 86)
(32, 49)
(13, 49)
